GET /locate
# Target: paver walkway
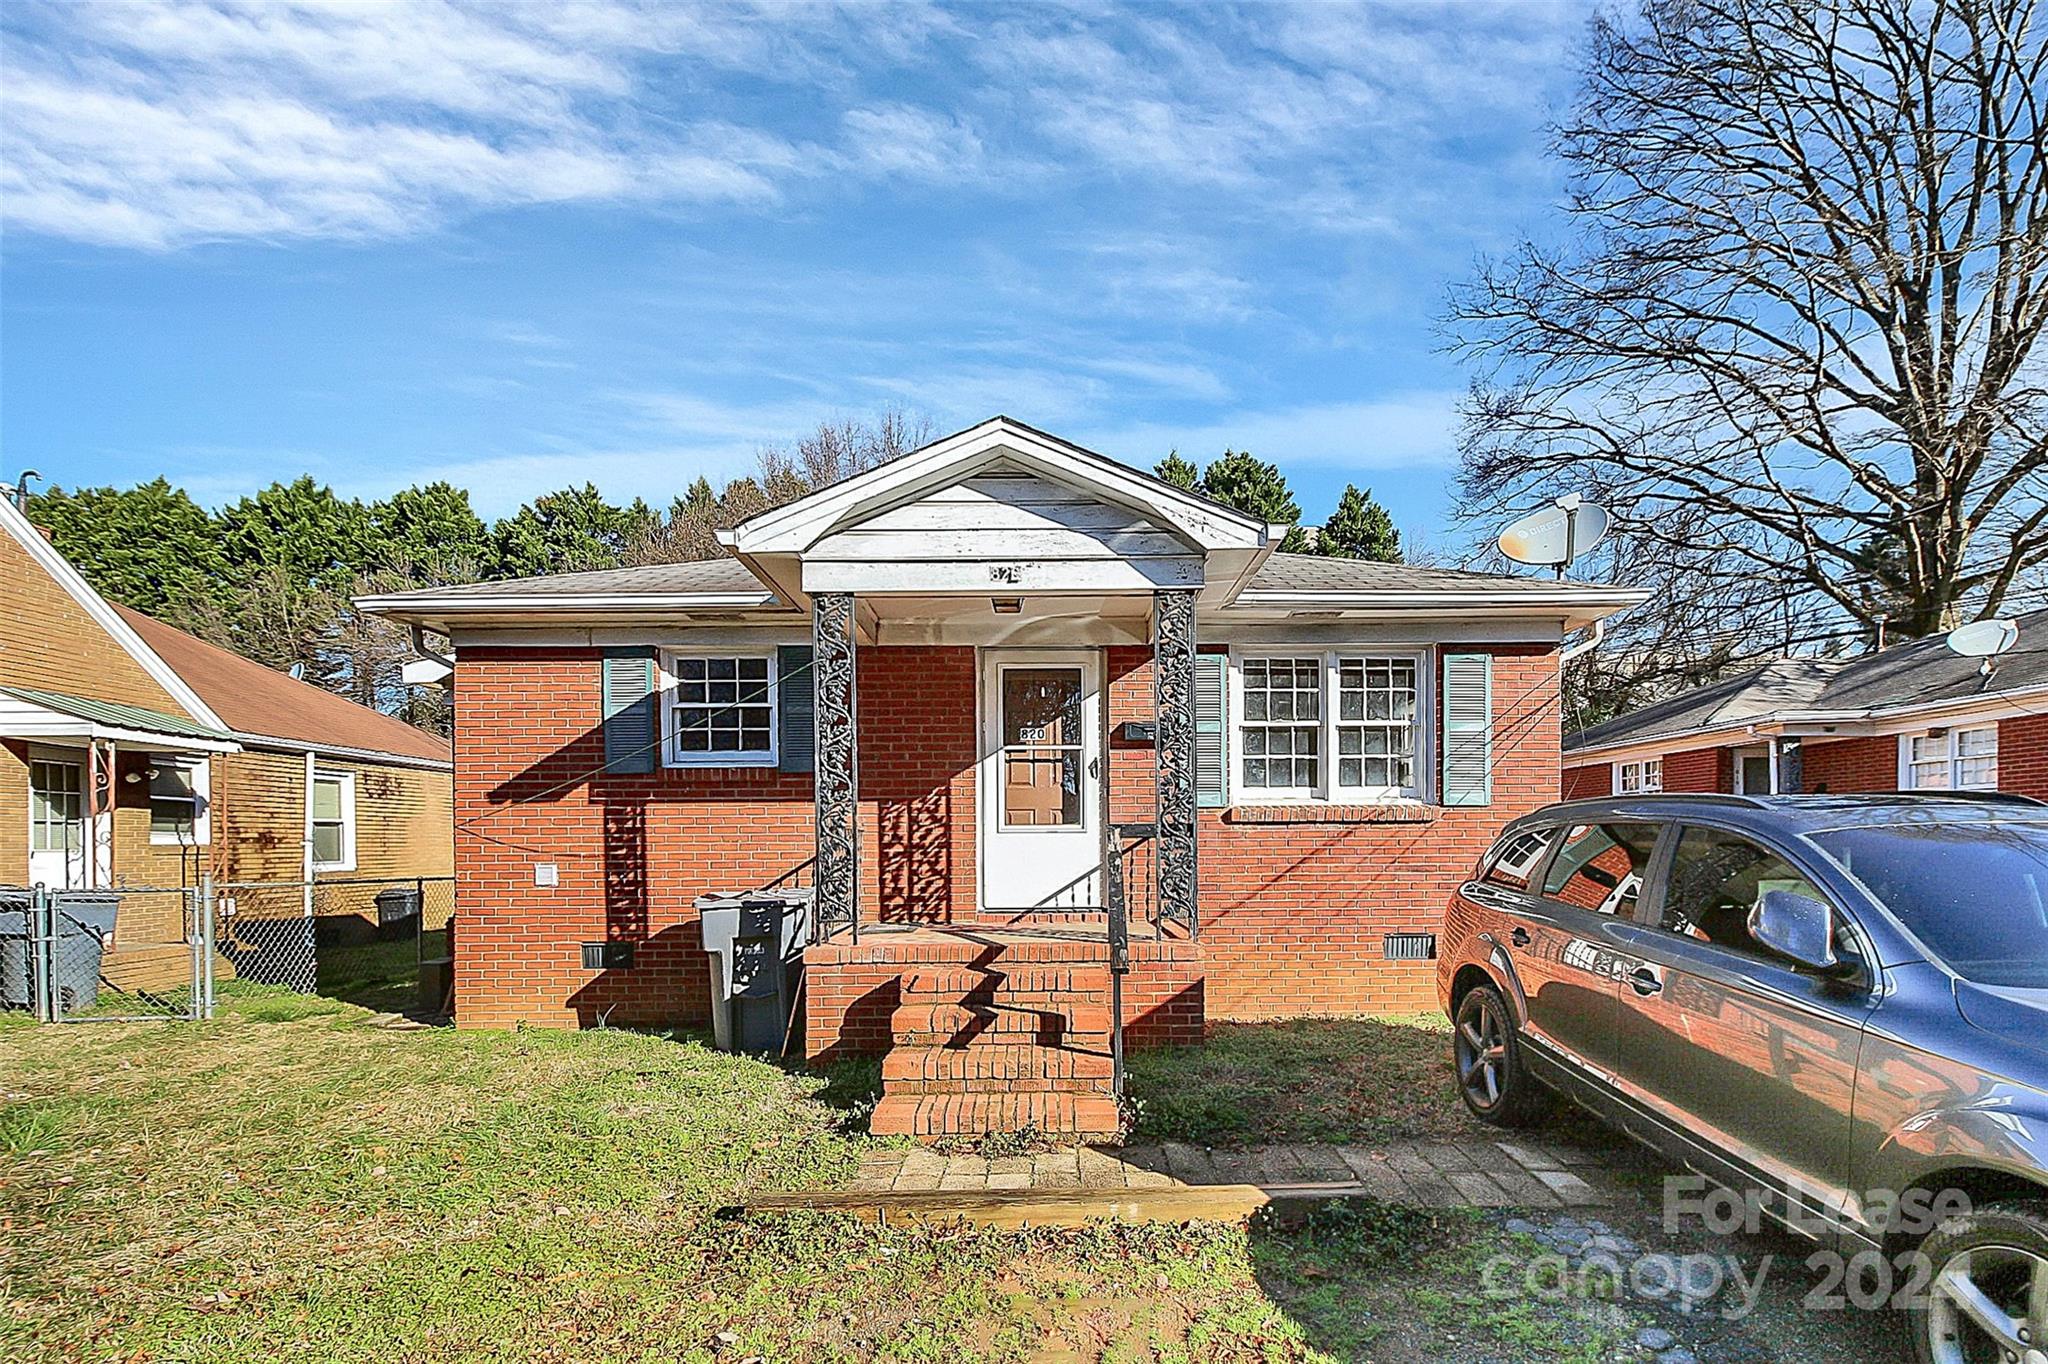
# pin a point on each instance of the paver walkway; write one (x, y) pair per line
(1478, 1174)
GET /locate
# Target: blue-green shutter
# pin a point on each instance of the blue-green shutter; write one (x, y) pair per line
(796, 741)
(631, 722)
(1212, 731)
(1468, 729)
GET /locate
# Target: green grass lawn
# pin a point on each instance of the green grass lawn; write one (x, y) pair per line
(1361, 1080)
(290, 1181)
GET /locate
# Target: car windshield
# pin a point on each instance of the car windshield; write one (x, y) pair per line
(1976, 894)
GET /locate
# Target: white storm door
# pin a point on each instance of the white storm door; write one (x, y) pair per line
(56, 824)
(1041, 815)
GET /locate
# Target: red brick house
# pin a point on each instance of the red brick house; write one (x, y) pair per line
(969, 697)
(1917, 716)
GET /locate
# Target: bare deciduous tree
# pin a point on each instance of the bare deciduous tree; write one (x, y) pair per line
(1793, 342)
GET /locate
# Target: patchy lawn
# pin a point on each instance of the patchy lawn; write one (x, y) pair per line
(1356, 1080)
(292, 1182)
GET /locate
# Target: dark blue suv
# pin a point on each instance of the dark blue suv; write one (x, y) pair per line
(1837, 1005)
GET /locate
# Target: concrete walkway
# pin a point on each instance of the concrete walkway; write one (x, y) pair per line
(1471, 1174)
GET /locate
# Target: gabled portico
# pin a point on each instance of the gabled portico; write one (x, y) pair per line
(1040, 555)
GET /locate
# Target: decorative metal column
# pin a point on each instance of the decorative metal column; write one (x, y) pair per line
(1173, 696)
(837, 775)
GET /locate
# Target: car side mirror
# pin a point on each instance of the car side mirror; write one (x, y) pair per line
(1797, 927)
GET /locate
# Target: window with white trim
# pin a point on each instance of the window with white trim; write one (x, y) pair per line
(178, 801)
(1643, 777)
(721, 709)
(332, 821)
(1958, 759)
(1327, 725)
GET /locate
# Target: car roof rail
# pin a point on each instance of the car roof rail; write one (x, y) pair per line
(1688, 797)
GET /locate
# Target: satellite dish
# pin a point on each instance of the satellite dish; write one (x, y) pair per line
(298, 672)
(1556, 535)
(1986, 639)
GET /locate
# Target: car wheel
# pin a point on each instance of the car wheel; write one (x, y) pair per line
(1987, 1299)
(1496, 1086)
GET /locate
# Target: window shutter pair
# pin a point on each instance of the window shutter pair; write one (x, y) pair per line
(632, 719)
(1468, 729)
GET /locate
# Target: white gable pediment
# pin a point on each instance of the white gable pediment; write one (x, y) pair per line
(999, 508)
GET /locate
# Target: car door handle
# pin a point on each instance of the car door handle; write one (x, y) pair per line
(1645, 981)
(1520, 937)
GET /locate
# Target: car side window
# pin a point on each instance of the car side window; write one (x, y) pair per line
(1601, 867)
(1716, 880)
(1514, 862)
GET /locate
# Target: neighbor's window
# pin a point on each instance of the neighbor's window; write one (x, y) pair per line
(334, 821)
(1962, 759)
(1639, 778)
(722, 710)
(177, 801)
(1332, 726)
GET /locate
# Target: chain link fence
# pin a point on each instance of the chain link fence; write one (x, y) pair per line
(141, 952)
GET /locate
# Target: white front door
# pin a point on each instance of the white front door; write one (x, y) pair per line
(56, 823)
(1041, 766)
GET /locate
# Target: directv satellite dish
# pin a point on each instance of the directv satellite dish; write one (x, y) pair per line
(1985, 639)
(298, 672)
(1556, 535)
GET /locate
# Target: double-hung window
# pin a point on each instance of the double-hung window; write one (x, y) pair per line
(1961, 759)
(1640, 778)
(332, 821)
(1326, 725)
(177, 801)
(721, 709)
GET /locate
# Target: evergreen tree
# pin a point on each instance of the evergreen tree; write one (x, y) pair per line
(565, 532)
(150, 547)
(431, 535)
(1360, 528)
(316, 538)
(1179, 472)
(1241, 480)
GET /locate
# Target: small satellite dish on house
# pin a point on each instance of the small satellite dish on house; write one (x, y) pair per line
(298, 672)
(1556, 535)
(1985, 639)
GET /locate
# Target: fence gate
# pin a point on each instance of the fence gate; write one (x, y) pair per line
(127, 954)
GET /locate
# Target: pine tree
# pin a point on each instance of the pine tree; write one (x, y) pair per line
(150, 547)
(431, 535)
(1360, 528)
(1179, 472)
(565, 532)
(1241, 480)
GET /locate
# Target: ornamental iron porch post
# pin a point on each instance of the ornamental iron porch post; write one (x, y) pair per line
(836, 872)
(1173, 698)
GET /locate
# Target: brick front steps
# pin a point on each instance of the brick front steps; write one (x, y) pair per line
(993, 1049)
(994, 1029)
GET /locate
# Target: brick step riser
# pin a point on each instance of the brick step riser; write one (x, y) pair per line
(953, 1018)
(993, 1065)
(1005, 984)
(970, 1114)
(1017, 1086)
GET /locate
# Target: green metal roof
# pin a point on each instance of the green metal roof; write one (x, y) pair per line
(116, 715)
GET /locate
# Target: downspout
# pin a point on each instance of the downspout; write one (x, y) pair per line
(419, 646)
(1586, 645)
(306, 863)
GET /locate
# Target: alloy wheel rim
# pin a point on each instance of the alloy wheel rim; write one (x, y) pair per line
(1482, 1052)
(1990, 1304)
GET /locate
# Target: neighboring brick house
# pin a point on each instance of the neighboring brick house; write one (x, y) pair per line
(134, 755)
(1916, 716)
(969, 696)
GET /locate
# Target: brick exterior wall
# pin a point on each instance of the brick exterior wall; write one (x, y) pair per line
(1294, 912)
(1700, 769)
(1847, 765)
(2023, 755)
(1584, 783)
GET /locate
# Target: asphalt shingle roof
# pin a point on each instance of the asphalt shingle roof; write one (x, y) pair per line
(1313, 573)
(1914, 673)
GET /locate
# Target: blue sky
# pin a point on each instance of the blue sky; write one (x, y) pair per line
(521, 246)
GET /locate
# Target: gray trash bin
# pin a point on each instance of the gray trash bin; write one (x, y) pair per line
(15, 991)
(756, 940)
